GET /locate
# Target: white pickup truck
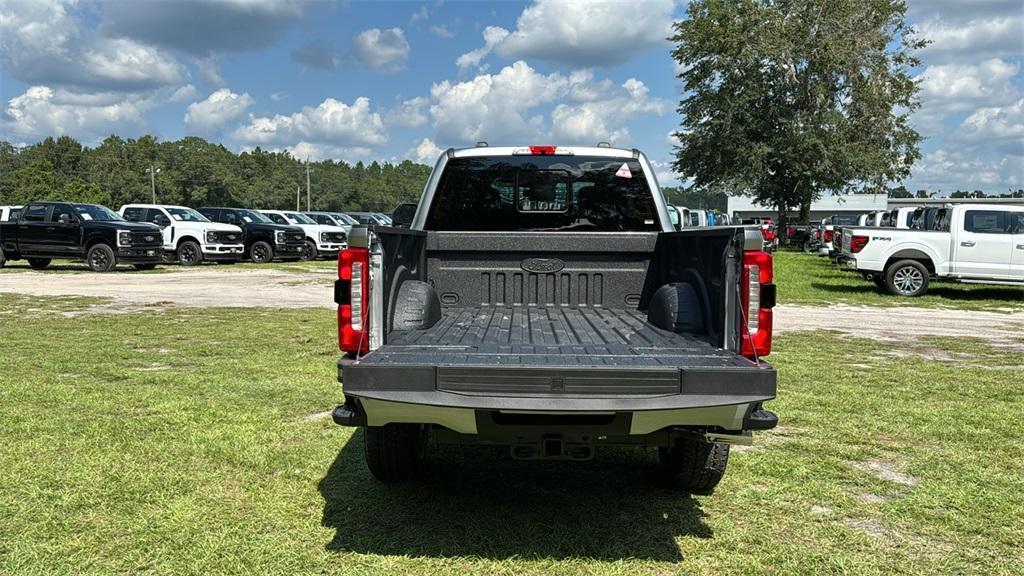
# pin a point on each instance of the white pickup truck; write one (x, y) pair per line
(321, 240)
(189, 237)
(984, 244)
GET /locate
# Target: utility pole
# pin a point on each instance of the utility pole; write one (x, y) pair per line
(297, 205)
(152, 180)
(307, 185)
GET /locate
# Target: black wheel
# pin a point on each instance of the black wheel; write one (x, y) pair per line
(261, 253)
(100, 258)
(309, 251)
(189, 253)
(145, 266)
(38, 263)
(395, 452)
(693, 464)
(907, 278)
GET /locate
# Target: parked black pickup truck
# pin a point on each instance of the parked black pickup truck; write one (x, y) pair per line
(264, 240)
(67, 230)
(540, 299)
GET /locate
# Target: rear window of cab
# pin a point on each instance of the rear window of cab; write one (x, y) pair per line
(543, 193)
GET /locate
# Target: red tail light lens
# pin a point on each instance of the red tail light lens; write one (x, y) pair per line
(351, 296)
(828, 235)
(790, 232)
(857, 243)
(817, 234)
(542, 150)
(757, 296)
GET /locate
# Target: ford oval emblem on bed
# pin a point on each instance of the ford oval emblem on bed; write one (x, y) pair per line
(542, 265)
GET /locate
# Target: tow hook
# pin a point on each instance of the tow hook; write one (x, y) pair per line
(744, 438)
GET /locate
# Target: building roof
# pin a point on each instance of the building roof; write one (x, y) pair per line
(836, 203)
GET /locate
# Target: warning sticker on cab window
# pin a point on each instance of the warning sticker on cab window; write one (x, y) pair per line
(624, 171)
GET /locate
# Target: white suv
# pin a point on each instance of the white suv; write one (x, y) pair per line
(189, 236)
(321, 240)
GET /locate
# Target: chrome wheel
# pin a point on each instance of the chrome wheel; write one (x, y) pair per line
(908, 280)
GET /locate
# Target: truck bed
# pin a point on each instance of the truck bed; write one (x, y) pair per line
(561, 357)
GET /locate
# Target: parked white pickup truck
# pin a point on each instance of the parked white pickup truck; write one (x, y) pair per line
(321, 241)
(10, 213)
(983, 245)
(189, 237)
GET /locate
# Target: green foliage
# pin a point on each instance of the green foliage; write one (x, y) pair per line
(697, 198)
(787, 99)
(194, 172)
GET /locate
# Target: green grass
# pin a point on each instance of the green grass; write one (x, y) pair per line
(809, 279)
(182, 442)
(78, 267)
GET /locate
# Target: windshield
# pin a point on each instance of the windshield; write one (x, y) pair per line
(186, 215)
(253, 216)
(344, 218)
(543, 193)
(97, 212)
(297, 218)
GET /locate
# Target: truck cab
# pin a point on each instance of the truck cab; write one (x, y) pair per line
(321, 240)
(541, 299)
(189, 237)
(970, 243)
(264, 240)
(339, 219)
(45, 231)
(10, 213)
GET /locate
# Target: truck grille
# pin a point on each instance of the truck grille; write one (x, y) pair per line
(291, 237)
(228, 237)
(334, 237)
(143, 239)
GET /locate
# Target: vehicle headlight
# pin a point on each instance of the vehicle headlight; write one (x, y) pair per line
(211, 237)
(124, 238)
(325, 237)
(279, 237)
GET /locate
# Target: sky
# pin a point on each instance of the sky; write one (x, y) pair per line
(396, 80)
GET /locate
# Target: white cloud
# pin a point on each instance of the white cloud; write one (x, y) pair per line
(317, 152)
(43, 111)
(957, 87)
(278, 96)
(219, 109)
(125, 62)
(580, 33)
(997, 125)
(492, 36)
(330, 124)
(442, 31)
(995, 36)
(421, 14)
(606, 116)
(186, 92)
(494, 106)
(425, 152)
(381, 50)
(409, 114)
(209, 71)
(952, 169)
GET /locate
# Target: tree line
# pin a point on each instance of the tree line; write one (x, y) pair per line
(194, 172)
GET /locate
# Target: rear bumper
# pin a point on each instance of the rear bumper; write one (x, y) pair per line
(712, 397)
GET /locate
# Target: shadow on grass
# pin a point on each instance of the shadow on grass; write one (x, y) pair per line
(868, 288)
(477, 502)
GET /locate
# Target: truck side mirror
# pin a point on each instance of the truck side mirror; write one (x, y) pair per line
(403, 215)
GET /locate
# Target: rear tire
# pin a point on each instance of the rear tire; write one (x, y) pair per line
(190, 254)
(39, 263)
(261, 253)
(395, 452)
(907, 278)
(309, 251)
(694, 465)
(100, 258)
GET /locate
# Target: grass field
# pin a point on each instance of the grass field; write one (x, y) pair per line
(193, 442)
(809, 279)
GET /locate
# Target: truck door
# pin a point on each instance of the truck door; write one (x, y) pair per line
(1017, 256)
(32, 234)
(983, 245)
(158, 217)
(64, 231)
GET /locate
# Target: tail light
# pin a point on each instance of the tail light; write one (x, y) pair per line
(817, 234)
(857, 243)
(757, 296)
(351, 295)
(790, 231)
(828, 235)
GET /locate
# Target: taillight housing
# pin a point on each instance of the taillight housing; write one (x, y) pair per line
(817, 234)
(828, 235)
(790, 231)
(857, 243)
(757, 297)
(351, 295)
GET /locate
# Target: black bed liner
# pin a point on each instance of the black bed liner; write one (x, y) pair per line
(552, 351)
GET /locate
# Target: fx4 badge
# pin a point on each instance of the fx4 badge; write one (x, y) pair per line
(882, 238)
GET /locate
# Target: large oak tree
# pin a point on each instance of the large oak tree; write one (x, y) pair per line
(784, 100)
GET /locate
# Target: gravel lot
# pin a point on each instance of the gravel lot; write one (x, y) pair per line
(219, 287)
